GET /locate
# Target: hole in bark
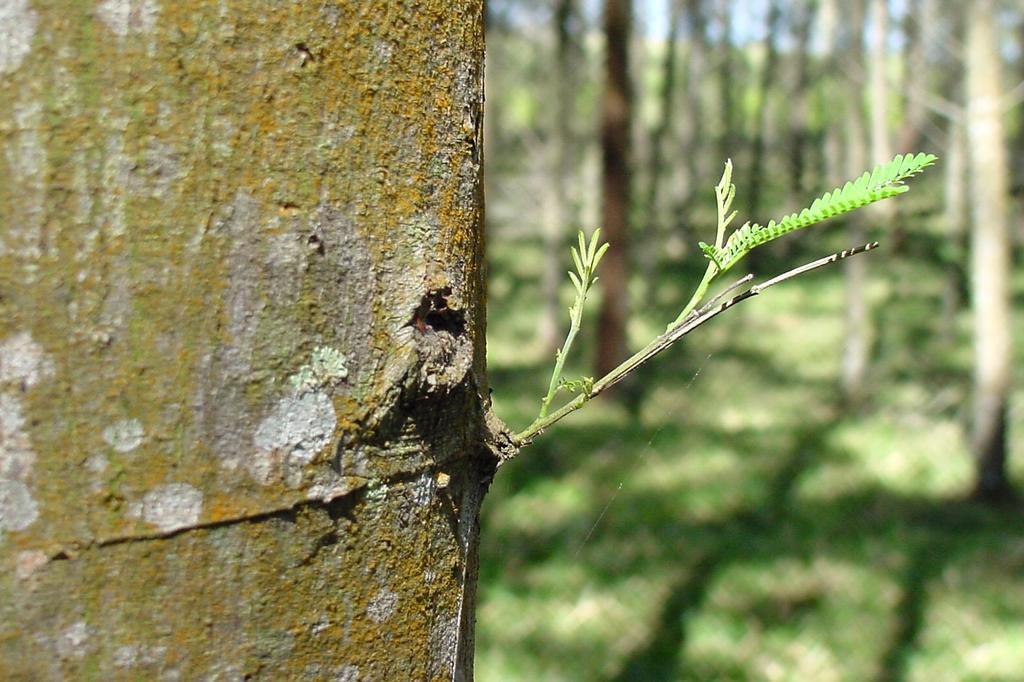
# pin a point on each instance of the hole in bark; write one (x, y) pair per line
(434, 314)
(305, 54)
(315, 244)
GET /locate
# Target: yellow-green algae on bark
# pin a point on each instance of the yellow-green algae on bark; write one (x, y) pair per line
(196, 198)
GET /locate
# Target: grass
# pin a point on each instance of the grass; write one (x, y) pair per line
(739, 525)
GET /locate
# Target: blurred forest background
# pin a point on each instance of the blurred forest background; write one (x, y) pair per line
(820, 484)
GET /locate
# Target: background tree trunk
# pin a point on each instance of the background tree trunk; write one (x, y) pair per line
(857, 339)
(829, 97)
(990, 250)
(878, 85)
(696, 71)
(920, 30)
(762, 110)
(562, 151)
(799, 119)
(648, 250)
(726, 82)
(194, 199)
(955, 216)
(616, 118)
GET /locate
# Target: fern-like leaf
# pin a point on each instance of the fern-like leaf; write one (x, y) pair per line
(884, 181)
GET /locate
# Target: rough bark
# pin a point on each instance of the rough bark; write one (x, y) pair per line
(616, 118)
(988, 168)
(195, 197)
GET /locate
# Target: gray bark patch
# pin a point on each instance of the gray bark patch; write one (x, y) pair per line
(17, 28)
(171, 506)
(17, 507)
(298, 428)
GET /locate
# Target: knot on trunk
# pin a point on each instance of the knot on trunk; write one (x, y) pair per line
(445, 351)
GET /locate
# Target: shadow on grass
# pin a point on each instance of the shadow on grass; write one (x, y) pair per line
(660, 659)
(924, 563)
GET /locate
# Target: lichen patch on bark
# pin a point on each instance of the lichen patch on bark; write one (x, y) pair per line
(124, 435)
(296, 430)
(17, 28)
(23, 361)
(23, 365)
(170, 507)
(17, 507)
(123, 17)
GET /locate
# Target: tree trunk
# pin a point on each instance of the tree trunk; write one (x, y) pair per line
(558, 214)
(692, 144)
(799, 120)
(756, 172)
(920, 29)
(857, 338)
(829, 96)
(689, 178)
(956, 210)
(878, 89)
(652, 234)
(726, 82)
(990, 251)
(616, 117)
(1017, 162)
(955, 215)
(241, 340)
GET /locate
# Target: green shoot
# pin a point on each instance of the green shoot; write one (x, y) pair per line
(586, 260)
(725, 192)
(882, 182)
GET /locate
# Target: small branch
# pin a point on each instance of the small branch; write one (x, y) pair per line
(724, 292)
(673, 335)
(813, 265)
(695, 313)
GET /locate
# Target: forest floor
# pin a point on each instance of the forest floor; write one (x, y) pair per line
(737, 523)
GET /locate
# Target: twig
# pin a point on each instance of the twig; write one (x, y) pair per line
(724, 292)
(672, 336)
(697, 312)
(813, 265)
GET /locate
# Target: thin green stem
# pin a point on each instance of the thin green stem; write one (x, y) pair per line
(556, 374)
(698, 295)
(586, 261)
